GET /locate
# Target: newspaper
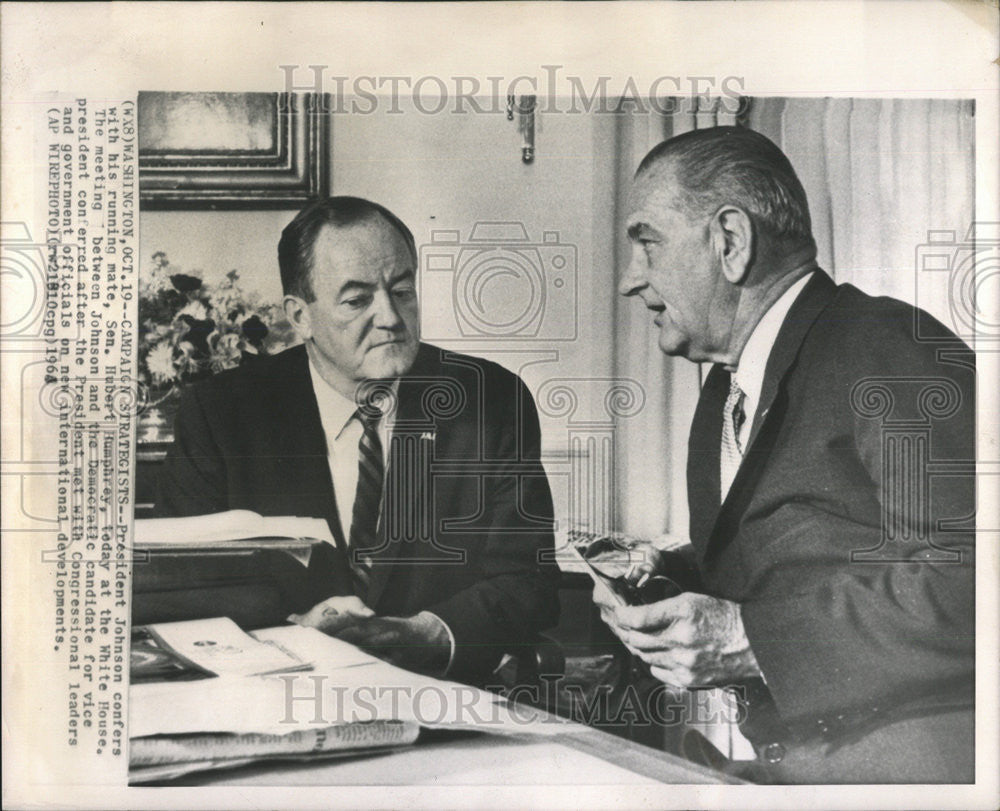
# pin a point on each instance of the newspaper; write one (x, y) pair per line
(460, 119)
(376, 704)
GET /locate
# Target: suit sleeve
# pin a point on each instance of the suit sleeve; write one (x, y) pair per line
(192, 480)
(516, 597)
(853, 614)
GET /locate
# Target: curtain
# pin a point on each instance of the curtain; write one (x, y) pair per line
(651, 497)
(885, 178)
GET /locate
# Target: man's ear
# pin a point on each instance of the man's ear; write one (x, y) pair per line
(732, 233)
(297, 313)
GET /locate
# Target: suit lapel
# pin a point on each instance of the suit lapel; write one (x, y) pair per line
(301, 441)
(814, 298)
(705, 448)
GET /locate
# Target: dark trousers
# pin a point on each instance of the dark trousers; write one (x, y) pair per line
(932, 748)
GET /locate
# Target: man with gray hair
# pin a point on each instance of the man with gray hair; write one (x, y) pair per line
(838, 586)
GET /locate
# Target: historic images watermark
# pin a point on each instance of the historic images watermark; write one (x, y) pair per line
(922, 466)
(971, 265)
(559, 92)
(906, 410)
(317, 699)
(500, 283)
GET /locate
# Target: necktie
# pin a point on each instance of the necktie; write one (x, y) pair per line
(367, 498)
(732, 420)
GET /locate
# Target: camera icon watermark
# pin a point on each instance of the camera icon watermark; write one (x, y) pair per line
(23, 271)
(499, 283)
(969, 270)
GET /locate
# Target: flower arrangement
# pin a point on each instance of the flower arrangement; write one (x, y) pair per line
(190, 330)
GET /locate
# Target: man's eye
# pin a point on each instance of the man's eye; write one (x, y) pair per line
(404, 293)
(357, 302)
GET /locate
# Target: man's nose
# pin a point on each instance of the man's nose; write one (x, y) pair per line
(386, 315)
(633, 279)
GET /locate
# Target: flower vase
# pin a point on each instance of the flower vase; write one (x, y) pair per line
(156, 420)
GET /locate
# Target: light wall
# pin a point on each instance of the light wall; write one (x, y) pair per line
(215, 242)
(449, 172)
(879, 174)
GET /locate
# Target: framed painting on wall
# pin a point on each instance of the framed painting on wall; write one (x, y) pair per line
(231, 150)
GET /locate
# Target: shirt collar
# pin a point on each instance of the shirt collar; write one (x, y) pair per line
(335, 409)
(753, 360)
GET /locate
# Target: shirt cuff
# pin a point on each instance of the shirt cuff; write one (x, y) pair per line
(451, 639)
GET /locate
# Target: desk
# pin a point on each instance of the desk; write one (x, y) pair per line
(584, 757)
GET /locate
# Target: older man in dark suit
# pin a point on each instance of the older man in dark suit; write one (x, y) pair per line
(425, 463)
(838, 579)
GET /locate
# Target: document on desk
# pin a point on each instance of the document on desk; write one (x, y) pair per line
(360, 681)
(238, 716)
(220, 647)
(231, 526)
(348, 702)
(344, 686)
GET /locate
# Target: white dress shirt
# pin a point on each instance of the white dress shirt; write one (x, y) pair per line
(753, 361)
(343, 431)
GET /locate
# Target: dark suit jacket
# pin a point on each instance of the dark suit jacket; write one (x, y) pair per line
(467, 509)
(847, 535)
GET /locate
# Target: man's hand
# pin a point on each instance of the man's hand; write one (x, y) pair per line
(334, 614)
(419, 643)
(691, 640)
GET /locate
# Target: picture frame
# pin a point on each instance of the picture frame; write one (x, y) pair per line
(231, 150)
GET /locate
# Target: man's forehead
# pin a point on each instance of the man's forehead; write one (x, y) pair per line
(650, 198)
(370, 244)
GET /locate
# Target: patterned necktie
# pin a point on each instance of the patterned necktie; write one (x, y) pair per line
(733, 417)
(367, 498)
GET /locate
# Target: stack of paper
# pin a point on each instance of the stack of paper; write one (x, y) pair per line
(349, 702)
(231, 528)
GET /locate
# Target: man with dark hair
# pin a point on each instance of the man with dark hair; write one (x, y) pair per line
(838, 580)
(295, 248)
(425, 463)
